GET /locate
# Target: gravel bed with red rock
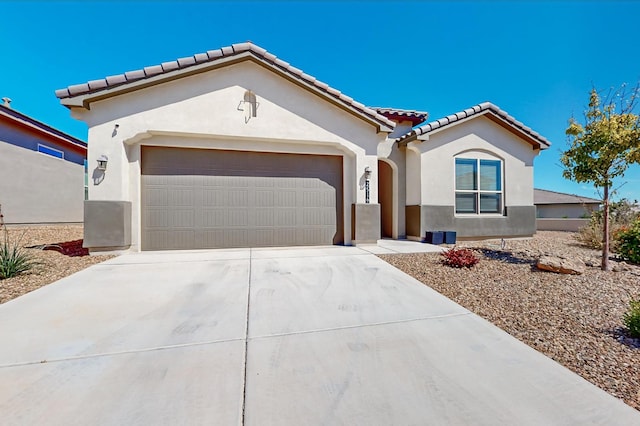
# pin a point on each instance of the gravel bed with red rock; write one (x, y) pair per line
(574, 319)
(57, 248)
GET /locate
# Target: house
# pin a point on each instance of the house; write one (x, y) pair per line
(552, 204)
(237, 148)
(41, 171)
(557, 211)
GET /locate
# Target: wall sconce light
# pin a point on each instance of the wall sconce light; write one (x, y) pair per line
(367, 173)
(102, 162)
(367, 177)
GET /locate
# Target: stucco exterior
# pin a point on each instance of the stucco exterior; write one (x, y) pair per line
(35, 187)
(566, 211)
(432, 161)
(206, 102)
(205, 111)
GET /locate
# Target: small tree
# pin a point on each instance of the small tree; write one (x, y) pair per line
(603, 147)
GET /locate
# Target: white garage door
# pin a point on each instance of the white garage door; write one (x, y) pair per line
(198, 198)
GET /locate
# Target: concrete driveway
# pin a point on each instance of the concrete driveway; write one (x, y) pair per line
(298, 336)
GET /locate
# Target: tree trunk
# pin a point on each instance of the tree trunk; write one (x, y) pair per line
(605, 231)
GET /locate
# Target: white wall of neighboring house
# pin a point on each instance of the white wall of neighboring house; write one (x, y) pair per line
(38, 188)
(205, 111)
(575, 211)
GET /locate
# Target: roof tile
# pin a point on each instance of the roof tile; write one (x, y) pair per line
(98, 84)
(295, 70)
(114, 80)
(241, 47)
(279, 62)
(212, 55)
(201, 57)
(270, 57)
(333, 91)
(470, 112)
(153, 70)
(322, 85)
(134, 75)
(185, 62)
(307, 77)
(78, 88)
(259, 50)
(170, 66)
(62, 93)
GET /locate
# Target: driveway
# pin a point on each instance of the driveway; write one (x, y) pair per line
(292, 336)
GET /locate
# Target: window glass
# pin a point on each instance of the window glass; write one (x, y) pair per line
(50, 151)
(466, 174)
(490, 203)
(490, 176)
(466, 202)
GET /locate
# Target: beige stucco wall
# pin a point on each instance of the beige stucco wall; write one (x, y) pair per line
(478, 137)
(204, 111)
(39, 188)
(570, 225)
(564, 210)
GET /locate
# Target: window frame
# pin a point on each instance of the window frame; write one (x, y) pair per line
(478, 192)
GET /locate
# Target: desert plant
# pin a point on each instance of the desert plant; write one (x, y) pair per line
(459, 258)
(632, 318)
(628, 246)
(13, 259)
(622, 214)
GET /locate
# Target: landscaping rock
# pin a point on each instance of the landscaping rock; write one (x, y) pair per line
(561, 265)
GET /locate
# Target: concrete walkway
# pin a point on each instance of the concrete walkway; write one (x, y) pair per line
(292, 336)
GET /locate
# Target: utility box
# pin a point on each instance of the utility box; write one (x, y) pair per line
(435, 237)
(449, 237)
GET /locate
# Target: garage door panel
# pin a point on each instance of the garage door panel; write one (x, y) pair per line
(156, 218)
(239, 199)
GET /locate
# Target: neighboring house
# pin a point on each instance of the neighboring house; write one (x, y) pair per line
(557, 211)
(237, 148)
(551, 204)
(41, 171)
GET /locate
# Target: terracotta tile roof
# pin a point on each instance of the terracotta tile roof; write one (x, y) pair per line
(492, 112)
(40, 127)
(416, 117)
(202, 62)
(543, 196)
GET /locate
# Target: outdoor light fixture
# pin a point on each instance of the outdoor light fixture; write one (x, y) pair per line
(367, 173)
(102, 162)
(367, 177)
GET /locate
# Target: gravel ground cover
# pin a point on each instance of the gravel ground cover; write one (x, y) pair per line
(53, 265)
(574, 319)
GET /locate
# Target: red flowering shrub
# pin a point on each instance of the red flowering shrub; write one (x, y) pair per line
(459, 258)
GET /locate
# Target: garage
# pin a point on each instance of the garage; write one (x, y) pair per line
(205, 198)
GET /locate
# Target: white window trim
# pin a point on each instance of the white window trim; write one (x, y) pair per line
(478, 191)
(52, 149)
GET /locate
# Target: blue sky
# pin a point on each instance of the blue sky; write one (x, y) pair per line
(536, 60)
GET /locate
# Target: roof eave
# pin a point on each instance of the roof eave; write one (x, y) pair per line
(423, 134)
(41, 128)
(535, 142)
(85, 100)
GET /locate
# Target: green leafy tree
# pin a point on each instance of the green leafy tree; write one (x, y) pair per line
(603, 147)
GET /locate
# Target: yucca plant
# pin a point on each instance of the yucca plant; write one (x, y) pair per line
(14, 260)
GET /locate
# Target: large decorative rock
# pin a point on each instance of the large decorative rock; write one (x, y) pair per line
(561, 265)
